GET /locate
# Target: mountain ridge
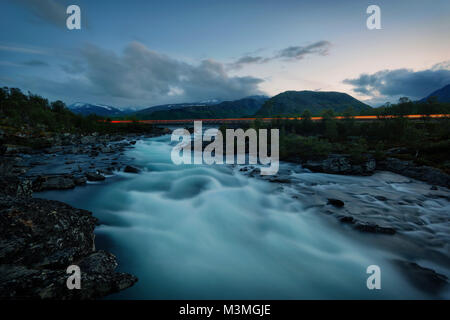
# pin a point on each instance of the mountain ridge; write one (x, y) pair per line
(296, 102)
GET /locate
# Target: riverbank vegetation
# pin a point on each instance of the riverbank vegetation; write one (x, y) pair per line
(27, 119)
(424, 141)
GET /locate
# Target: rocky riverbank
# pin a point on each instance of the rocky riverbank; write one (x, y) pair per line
(40, 238)
(344, 164)
(409, 216)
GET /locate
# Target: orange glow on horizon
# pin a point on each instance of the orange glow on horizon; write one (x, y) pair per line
(410, 116)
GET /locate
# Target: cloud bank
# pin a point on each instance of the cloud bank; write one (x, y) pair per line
(387, 84)
(140, 75)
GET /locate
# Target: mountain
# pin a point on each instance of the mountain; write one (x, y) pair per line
(226, 109)
(442, 95)
(164, 107)
(98, 109)
(295, 102)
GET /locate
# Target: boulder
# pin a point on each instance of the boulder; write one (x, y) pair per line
(430, 175)
(42, 183)
(336, 203)
(39, 239)
(341, 164)
(374, 228)
(80, 181)
(94, 176)
(131, 169)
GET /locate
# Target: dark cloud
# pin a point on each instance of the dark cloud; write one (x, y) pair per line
(143, 76)
(36, 63)
(238, 64)
(290, 54)
(298, 52)
(51, 11)
(401, 82)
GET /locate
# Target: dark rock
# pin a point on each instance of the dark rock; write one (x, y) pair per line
(132, 142)
(39, 239)
(106, 149)
(131, 169)
(336, 203)
(381, 198)
(424, 173)
(341, 164)
(280, 180)
(16, 187)
(373, 228)
(346, 219)
(106, 171)
(422, 278)
(42, 183)
(94, 176)
(434, 188)
(80, 181)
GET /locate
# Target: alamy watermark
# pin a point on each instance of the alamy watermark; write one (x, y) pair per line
(374, 20)
(74, 280)
(374, 280)
(213, 153)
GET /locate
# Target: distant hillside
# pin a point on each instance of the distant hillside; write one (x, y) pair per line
(227, 109)
(442, 95)
(295, 102)
(144, 113)
(86, 109)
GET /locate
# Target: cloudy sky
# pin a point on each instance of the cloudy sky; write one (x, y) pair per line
(143, 53)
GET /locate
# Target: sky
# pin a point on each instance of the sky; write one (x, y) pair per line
(139, 53)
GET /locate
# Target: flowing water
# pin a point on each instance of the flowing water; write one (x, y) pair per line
(210, 232)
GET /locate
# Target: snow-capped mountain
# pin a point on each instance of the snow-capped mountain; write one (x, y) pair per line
(177, 106)
(98, 109)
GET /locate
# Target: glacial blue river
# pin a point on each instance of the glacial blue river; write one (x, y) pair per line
(210, 232)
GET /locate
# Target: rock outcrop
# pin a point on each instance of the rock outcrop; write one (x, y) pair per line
(341, 164)
(40, 238)
(408, 169)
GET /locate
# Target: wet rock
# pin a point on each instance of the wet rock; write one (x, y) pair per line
(409, 169)
(434, 188)
(381, 198)
(16, 187)
(422, 278)
(88, 140)
(54, 149)
(336, 203)
(39, 239)
(106, 171)
(341, 164)
(347, 219)
(131, 169)
(133, 142)
(104, 149)
(280, 180)
(6, 165)
(94, 176)
(42, 183)
(80, 181)
(374, 228)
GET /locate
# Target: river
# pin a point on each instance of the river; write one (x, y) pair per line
(212, 232)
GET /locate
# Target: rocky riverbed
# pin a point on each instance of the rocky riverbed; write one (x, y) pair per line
(411, 216)
(40, 238)
(343, 164)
